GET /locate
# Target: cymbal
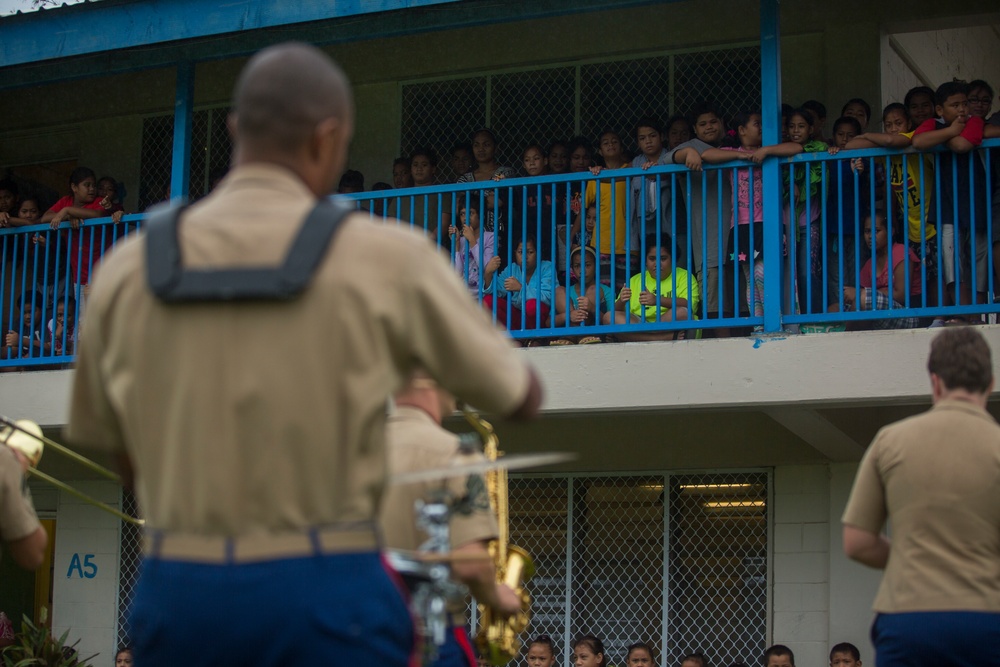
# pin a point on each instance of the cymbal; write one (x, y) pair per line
(430, 557)
(25, 436)
(514, 462)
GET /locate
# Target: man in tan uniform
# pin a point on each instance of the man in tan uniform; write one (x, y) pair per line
(936, 477)
(417, 441)
(255, 426)
(19, 527)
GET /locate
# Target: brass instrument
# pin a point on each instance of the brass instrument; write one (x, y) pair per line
(498, 639)
(26, 437)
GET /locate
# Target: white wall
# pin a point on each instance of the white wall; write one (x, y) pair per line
(852, 585)
(935, 56)
(85, 598)
(820, 597)
(801, 562)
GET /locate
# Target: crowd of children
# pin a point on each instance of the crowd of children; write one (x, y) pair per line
(47, 273)
(846, 218)
(589, 651)
(858, 233)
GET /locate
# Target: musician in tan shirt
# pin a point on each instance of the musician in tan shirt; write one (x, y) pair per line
(255, 428)
(936, 478)
(19, 527)
(417, 441)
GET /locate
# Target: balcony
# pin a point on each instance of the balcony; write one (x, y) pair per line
(823, 244)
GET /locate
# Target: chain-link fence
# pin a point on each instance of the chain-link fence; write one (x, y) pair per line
(439, 114)
(129, 556)
(522, 107)
(210, 152)
(676, 561)
(556, 102)
(155, 160)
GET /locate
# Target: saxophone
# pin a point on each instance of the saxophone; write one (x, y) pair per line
(498, 638)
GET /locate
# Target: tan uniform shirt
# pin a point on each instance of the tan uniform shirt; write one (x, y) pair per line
(251, 418)
(17, 515)
(937, 477)
(416, 442)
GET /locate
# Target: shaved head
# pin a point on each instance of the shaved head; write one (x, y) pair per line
(284, 93)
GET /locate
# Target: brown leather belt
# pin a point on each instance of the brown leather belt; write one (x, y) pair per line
(220, 549)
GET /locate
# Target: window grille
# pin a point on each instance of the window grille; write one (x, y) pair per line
(679, 561)
(676, 561)
(210, 152)
(556, 102)
(439, 114)
(130, 553)
(532, 107)
(155, 159)
(730, 78)
(521, 107)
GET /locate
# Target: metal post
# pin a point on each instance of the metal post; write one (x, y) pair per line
(664, 634)
(770, 80)
(180, 172)
(568, 605)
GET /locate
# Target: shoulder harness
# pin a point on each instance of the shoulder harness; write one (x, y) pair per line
(172, 283)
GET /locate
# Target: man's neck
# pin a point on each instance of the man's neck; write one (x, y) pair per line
(964, 396)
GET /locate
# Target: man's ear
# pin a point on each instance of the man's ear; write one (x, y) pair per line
(937, 387)
(322, 138)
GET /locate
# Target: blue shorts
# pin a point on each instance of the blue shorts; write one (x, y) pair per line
(937, 639)
(343, 609)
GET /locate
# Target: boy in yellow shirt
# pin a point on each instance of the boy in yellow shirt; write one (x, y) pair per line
(661, 293)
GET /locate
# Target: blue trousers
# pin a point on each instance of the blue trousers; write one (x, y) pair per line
(457, 650)
(937, 639)
(342, 609)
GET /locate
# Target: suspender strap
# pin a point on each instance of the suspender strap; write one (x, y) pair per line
(172, 283)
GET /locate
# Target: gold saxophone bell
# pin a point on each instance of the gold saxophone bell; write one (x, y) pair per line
(26, 437)
(498, 639)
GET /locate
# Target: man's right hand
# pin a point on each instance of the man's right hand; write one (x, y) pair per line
(508, 602)
(22, 459)
(958, 125)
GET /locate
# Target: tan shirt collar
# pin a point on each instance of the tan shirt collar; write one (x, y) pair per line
(963, 406)
(265, 176)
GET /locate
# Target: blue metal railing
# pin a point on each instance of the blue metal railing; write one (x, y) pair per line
(715, 274)
(824, 202)
(939, 207)
(43, 278)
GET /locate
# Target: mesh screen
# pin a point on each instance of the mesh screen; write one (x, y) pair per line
(542, 105)
(729, 78)
(130, 552)
(532, 107)
(439, 114)
(155, 160)
(675, 561)
(210, 151)
(615, 94)
(218, 148)
(717, 602)
(599, 544)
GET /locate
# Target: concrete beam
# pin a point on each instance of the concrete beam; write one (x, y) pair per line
(41, 396)
(834, 369)
(830, 370)
(818, 432)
